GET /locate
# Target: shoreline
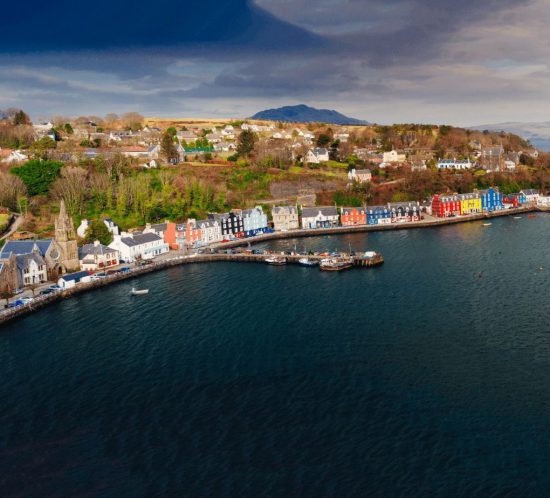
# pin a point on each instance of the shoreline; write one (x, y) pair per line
(7, 315)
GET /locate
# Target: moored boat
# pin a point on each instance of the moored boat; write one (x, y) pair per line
(308, 262)
(336, 264)
(139, 292)
(276, 260)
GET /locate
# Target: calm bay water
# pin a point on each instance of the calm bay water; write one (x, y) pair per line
(429, 376)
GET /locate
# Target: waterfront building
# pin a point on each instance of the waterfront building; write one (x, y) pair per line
(96, 256)
(232, 224)
(285, 218)
(31, 269)
(174, 235)
(455, 164)
(404, 211)
(378, 215)
(530, 196)
(71, 279)
(445, 205)
(543, 201)
(8, 274)
(132, 247)
(320, 217)
(491, 200)
(470, 203)
(254, 221)
(511, 201)
(158, 228)
(353, 216)
(211, 231)
(46, 248)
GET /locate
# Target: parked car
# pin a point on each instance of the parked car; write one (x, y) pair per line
(16, 304)
(54, 287)
(45, 292)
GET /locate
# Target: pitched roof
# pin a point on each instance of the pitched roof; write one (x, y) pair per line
(312, 212)
(75, 276)
(23, 261)
(348, 210)
(18, 247)
(142, 238)
(284, 210)
(92, 249)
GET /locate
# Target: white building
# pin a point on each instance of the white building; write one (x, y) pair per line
(31, 269)
(317, 155)
(132, 247)
(320, 217)
(96, 256)
(393, 157)
(85, 224)
(70, 280)
(285, 218)
(531, 196)
(457, 164)
(360, 175)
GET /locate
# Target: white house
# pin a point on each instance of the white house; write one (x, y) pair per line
(543, 201)
(31, 269)
(85, 224)
(285, 218)
(320, 217)
(343, 137)
(458, 164)
(132, 247)
(71, 279)
(360, 175)
(211, 231)
(393, 157)
(317, 155)
(531, 196)
(96, 256)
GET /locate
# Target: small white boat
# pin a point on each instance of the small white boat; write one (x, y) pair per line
(517, 217)
(140, 292)
(487, 224)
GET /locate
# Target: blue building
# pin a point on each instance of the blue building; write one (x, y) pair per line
(491, 200)
(378, 215)
(255, 221)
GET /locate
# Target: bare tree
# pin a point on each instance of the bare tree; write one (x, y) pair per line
(72, 187)
(11, 189)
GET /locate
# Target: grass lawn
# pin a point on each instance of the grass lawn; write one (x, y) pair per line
(4, 218)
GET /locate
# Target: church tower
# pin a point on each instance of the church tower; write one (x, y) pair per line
(66, 239)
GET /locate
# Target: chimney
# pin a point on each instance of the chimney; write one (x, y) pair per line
(96, 243)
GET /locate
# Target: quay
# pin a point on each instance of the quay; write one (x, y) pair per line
(41, 301)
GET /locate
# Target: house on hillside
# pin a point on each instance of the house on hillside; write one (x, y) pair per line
(317, 155)
(360, 175)
(393, 157)
(455, 164)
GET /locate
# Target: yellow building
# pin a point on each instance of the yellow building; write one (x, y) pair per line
(470, 203)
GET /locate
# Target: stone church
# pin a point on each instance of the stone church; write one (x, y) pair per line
(65, 239)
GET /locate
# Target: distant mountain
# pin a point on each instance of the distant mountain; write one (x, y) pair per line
(305, 114)
(537, 133)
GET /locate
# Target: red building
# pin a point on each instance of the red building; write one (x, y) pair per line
(445, 205)
(510, 200)
(353, 216)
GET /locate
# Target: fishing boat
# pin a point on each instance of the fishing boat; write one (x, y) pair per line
(307, 262)
(517, 217)
(139, 292)
(336, 264)
(487, 224)
(276, 260)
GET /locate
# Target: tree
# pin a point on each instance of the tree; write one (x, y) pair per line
(323, 140)
(68, 129)
(6, 294)
(40, 147)
(12, 189)
(97, 230)
(168, 148)
(245, 145)
(38, 175)
(172, 131)
(21, 118)
(72, 187)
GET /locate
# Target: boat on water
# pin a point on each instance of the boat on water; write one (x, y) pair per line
(531, 216)
(139, 292)
(487, 224)
(336, 264)
(308, 262)
(276, 260)
(517, 217)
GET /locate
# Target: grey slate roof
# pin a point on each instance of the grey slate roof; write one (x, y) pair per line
(312, 212)
(139, 239)
(19, 247)
(91, 249)
(75, 276)
(23, 260)
(284, 210)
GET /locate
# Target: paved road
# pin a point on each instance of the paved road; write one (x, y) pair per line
(14, 226)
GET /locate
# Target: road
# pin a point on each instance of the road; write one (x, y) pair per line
(14, 226)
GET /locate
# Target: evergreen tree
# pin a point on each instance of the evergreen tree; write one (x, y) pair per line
(168, 148)
(246, 142)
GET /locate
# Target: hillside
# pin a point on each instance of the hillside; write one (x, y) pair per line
(305, 114)
(537, 133)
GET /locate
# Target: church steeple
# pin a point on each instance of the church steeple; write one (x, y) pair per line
(64, 228)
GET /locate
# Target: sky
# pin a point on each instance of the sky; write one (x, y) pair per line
(387, 61)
